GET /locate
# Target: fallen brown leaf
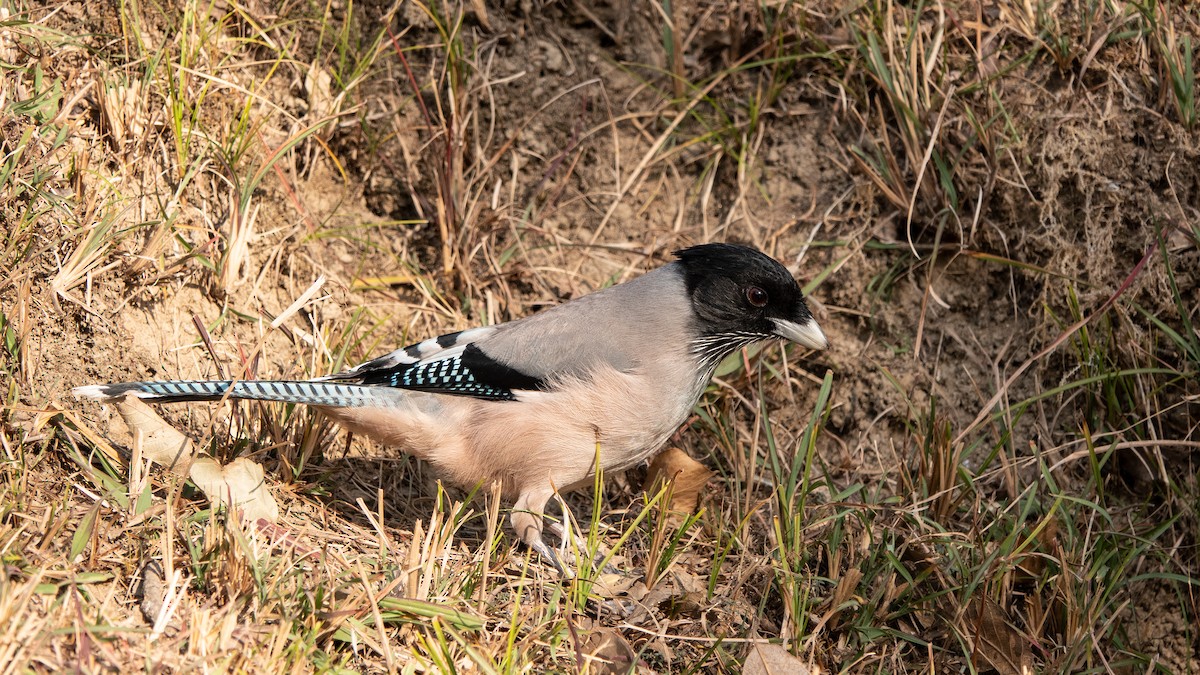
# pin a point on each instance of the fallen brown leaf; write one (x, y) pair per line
(161, 443)
(240, 485)
(151, 590)
(994, 639)
(769, 659)
(607, 652)
(688, 478)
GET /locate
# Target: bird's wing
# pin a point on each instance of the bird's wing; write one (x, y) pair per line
(618, 328)
(623, 328)
(441, 347)
(448, 364)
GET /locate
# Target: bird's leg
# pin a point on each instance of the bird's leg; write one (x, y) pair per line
(526, 519)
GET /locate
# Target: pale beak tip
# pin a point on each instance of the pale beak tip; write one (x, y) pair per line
(808, 334)
(818, 339)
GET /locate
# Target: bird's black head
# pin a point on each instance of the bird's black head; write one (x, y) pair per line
(742, 296)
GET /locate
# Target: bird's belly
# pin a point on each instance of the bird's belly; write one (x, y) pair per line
(612, 422)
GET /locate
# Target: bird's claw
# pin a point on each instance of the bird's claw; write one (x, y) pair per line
(549, 555)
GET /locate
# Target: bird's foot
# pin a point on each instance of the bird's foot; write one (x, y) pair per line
(549, 555)
(570, 545)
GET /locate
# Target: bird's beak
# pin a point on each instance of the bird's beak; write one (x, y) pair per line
(808, 334)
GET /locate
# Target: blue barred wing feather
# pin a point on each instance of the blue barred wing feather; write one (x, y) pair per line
(451, 364)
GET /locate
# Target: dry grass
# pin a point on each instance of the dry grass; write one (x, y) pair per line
(994, 469)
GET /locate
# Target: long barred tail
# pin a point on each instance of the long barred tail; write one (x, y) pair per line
(311, 393)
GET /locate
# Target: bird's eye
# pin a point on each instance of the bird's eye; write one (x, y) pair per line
(756, 296)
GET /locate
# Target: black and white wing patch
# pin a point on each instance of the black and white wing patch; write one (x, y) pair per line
(438, 347)
(450, 364)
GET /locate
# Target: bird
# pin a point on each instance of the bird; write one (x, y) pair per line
(540, 403)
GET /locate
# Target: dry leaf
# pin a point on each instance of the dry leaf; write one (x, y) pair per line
(687, 475)
(607, 652)
(677, 594)
(151, 590)
(846, 587)
(994, 639)
(162, 443)
(844, 592)
(768, 659)
(240, 485)
(619, 585)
